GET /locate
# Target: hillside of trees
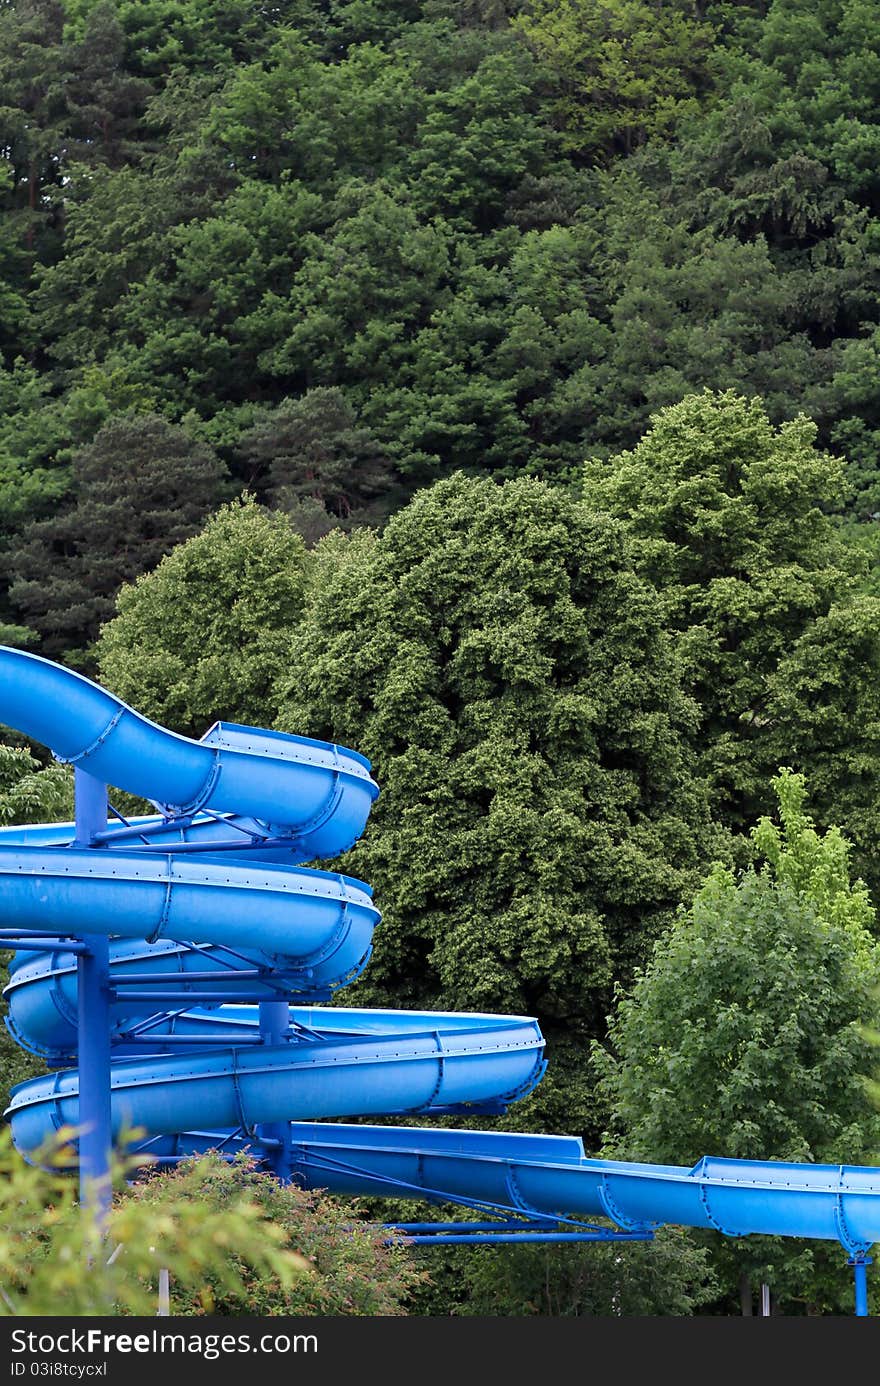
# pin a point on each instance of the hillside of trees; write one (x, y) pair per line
(336, 250)
(491, 386)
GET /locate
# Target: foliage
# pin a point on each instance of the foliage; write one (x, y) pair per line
(138, 489)
(229, 208)
(508, 675)
(745, 1034)
(620, 70)
(824, 717)
(55, 1259)
(32, 73)
(317, 464)
(670, 1275)
(31, 792)
(350, 1269)
(728, 519)
(209, 631)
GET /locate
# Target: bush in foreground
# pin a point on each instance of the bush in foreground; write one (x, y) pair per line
(234, 1241)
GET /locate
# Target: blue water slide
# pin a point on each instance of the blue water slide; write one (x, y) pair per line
(319, 793)
(214, 922)
(314, 924)
(552, 1176)
(248, 1086)
(200, 832)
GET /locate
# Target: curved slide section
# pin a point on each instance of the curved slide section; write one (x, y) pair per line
(365, 1075)
(191, 834)
(42, 993)
(313, 790)
(314, 925)
(207, 901)
(42, 1000)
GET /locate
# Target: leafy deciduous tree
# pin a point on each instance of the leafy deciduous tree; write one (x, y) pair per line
(510, 679)
(56, 1260)
(745, 1034)
(727, 518)
(208, 633)
(349, 1266)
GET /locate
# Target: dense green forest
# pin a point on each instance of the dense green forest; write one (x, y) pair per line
(491, 385)
(345, 249)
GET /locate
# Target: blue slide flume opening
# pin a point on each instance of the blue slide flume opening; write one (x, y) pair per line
(220, 946)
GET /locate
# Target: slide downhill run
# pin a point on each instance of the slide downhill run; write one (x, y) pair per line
(222, 945)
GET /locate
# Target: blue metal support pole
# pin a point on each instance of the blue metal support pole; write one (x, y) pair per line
(274, 1029)
(860, 1263)
(93, 1025)
(512, 1238)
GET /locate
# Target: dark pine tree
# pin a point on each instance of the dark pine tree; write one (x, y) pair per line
(142, 486)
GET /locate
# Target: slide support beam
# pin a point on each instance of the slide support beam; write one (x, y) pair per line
(93, 1026)
(860, 1263)
(275, 1029)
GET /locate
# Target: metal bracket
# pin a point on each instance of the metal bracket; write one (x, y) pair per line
(94, 745)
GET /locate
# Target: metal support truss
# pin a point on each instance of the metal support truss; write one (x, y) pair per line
(510, 1231)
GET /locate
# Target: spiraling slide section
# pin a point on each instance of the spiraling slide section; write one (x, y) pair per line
(314, 925)
(201, 896)
(311, 791)
(423, 1070)
(210, 892)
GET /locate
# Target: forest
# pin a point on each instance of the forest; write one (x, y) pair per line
(491, 386)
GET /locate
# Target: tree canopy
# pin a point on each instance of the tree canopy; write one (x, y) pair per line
(728, 518)
(501, 235)
(510, 678)
(746, 1032)
(208, 632)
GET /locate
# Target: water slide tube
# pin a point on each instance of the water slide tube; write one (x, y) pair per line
(210, 894)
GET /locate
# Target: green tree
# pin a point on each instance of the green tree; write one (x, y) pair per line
(478, 140)
(670, 1275)
(824, 716)
(104, 101)
(745, 1035)
(316, 463)
(229, 207)
(14, 269)
(511, 681)
(505, 375)
(33, 68)
(368, 283)
(31, 792)
(854, 416)
(727, 519)
(167, 39)
(690, 305)
(787, 157)
(138, 489)
(621, 69)
(40, 429)
(209, 632)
